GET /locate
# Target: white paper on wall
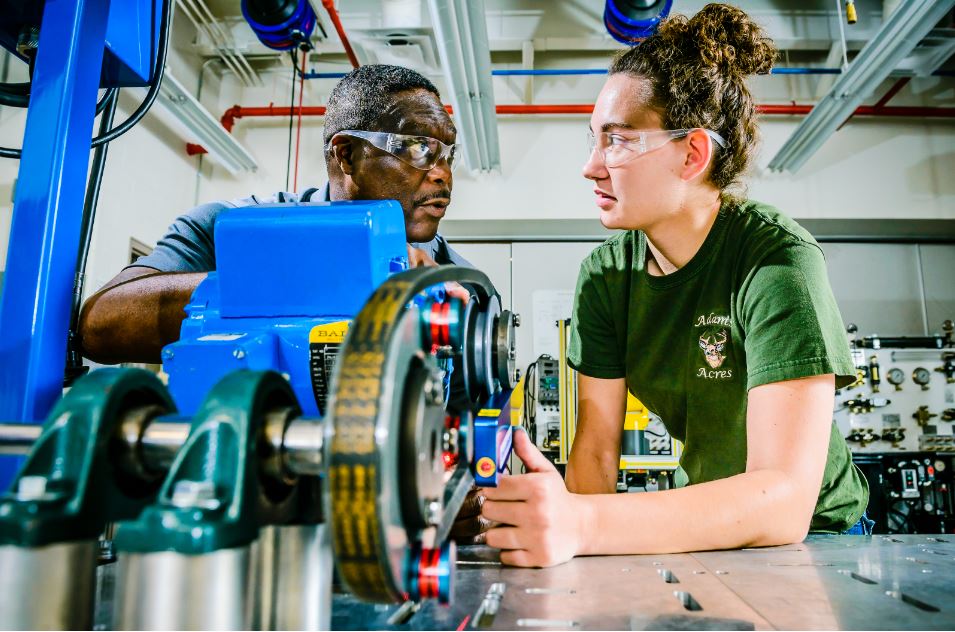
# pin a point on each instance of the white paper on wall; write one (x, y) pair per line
(548, 307)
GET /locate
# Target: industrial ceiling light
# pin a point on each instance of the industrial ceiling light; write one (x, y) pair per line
(202, 128)
(631, 21)
(461, 35)
(900, 33)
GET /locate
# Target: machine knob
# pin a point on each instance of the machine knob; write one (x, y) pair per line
(894, 494)
(928, 507)
(430, 572)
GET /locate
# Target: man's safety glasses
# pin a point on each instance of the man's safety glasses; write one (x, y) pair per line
(618, 148)
(421, 152)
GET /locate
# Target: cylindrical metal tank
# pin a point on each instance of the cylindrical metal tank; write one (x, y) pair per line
(48, 587)
(174, 591)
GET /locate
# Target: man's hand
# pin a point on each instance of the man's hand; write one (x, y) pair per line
(542, 523)
(418, 257)
(470, 527)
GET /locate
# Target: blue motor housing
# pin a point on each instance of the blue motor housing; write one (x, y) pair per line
(290, 278)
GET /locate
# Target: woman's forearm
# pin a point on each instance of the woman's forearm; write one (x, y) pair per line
(592, 471)
(760, 508)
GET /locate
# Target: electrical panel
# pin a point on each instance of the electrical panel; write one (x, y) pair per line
(548, 384)
(547, 403)
(902, 401)
(910, 492)
(898, 418)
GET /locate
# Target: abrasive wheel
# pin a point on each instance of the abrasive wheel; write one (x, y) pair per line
(386, 483)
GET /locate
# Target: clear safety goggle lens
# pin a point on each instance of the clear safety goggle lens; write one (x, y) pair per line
(618, 148)
(421, 152)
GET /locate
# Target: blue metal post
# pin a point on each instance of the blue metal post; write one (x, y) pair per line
(44, 237)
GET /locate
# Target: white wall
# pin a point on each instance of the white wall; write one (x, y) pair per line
(872, 168)
(898, 168)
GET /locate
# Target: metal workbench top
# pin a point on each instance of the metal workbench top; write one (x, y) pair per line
(826, 582)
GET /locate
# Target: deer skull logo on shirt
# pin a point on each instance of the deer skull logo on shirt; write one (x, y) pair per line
(712, 346)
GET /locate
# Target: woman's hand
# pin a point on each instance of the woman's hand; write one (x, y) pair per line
(542, 523)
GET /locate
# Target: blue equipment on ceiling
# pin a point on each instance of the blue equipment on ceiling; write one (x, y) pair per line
(280, 24)
(631, 21)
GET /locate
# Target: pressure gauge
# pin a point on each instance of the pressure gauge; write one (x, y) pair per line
(896, 377)
(922, 377)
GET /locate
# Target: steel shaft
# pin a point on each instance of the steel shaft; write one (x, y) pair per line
(156, 446)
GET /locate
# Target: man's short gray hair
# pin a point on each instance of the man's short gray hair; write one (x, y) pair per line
(358, 100)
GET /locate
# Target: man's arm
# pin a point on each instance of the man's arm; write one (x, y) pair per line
(141, 310)
(595, 456)
(771, 503)
(135, 315)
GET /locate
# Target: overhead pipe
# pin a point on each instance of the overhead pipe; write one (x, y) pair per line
(559, 72)
(337, 23)
(792, 109)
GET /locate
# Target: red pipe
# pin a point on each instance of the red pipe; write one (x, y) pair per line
(791, 108)
(333, 14)
(545, 109)
(894, 90)
(236, 111)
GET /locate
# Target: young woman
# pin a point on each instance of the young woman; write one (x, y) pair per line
(714, 310)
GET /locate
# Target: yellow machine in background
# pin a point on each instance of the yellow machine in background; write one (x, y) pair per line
(568, 394)
(550, 412)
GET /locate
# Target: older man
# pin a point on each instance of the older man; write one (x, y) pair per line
(387, 137)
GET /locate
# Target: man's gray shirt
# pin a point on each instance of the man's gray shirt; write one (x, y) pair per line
(188, 245)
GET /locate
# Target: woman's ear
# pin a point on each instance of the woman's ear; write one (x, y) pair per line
(698, 156)
(342, 149)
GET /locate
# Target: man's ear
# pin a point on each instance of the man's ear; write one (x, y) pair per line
(699, 154)
(343, 151)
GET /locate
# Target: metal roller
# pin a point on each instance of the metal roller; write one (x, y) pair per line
(154, 447)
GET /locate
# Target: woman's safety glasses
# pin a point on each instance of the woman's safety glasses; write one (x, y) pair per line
(618, 148)
(421, 152)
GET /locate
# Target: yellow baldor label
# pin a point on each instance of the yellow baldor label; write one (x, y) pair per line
(490, 412)
(332, 332)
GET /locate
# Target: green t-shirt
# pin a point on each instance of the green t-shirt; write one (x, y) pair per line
(752, 307)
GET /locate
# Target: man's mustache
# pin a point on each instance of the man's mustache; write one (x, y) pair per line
(443, 194)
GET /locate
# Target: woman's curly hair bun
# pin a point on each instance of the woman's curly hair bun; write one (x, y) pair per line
(724, 37)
